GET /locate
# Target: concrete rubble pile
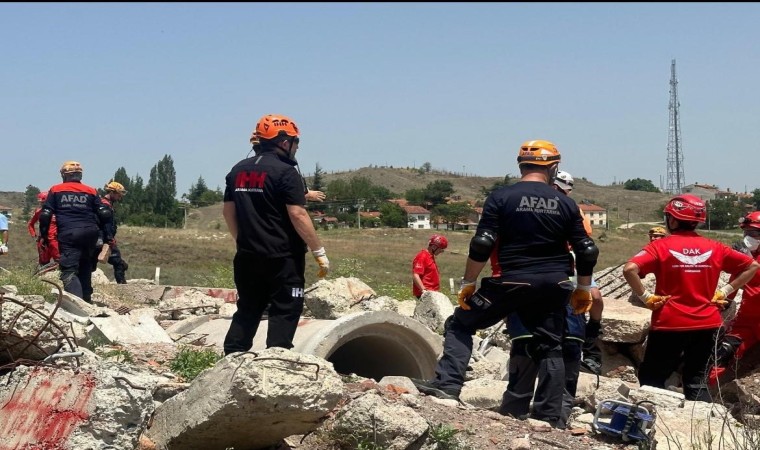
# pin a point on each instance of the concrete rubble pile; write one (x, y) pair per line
(59, 388)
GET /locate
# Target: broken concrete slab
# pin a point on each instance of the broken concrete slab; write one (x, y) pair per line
(129, 329)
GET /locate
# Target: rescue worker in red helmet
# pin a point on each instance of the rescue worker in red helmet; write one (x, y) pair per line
(49, 254)
(744, 330)
(530, 225)
(115, 192)
(81, 217)
(425, 274)
(264, 208)
(687, 301)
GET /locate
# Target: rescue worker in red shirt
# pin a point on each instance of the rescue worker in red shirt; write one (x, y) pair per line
(425, 275)
(686, 303)
(115, 192)
(744, 331)
(48, 255)
(80, 216)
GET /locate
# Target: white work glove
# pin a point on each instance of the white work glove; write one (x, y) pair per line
(324, 263)
(3, 249)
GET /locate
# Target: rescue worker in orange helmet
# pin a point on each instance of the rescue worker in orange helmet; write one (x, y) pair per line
(81, 217)
(687, 301)
(657, 233)
(115, 192)
(264, 208)
(530, 225)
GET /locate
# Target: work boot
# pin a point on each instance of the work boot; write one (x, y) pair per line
(429, 388)
(592, 354)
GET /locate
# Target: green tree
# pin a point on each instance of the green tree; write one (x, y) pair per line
(30, 202)
(723, 213)
(453, 212)
(640, 184)
(392, 215)
(317, 181)
(415, 196)
(160, 194)
(499, 184)
(756, 199)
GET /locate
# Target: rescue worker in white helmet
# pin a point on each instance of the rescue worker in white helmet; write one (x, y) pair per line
(80, 216)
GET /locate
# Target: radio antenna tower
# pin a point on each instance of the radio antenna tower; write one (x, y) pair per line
(675, 180)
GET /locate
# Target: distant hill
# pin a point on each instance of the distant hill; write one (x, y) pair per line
(644, 206)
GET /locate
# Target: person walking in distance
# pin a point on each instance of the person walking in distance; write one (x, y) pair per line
(686, 302)
(531, 224)
(80, 216)
(115, 192)
(264, 208)
(425, 274)
(3, 234)
(48, 255)
(744, 330)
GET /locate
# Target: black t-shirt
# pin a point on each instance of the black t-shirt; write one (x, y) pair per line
(261, 187)
(534, 224)
(74, 204)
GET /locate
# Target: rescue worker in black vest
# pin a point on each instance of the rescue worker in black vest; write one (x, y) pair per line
(531, 225)
(264, 208)
(115, 192)
(81, 216)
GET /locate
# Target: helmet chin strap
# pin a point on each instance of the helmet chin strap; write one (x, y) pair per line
(553, 171)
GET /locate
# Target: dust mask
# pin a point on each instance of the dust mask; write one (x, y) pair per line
(751, 243)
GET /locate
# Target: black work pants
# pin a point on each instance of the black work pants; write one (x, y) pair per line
(667, 349)
(540, 301)
(261, 282)
(119, 266)
(77, 246)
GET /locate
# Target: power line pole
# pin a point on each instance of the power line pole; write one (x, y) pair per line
(675, 177)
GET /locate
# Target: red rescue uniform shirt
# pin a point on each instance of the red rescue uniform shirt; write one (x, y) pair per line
(424, 265)
(687, 267)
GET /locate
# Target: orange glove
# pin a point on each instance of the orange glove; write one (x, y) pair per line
(720, 298)
(466, 289)
(653, 302)
(581, 300)
(324, 263)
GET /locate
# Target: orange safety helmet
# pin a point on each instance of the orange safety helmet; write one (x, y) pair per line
(42, 196)
(542, 153)
(71, 167)
(751, 220)
(438, 241)
(274, 125)
(657, 231)
(115, 186)
(686, 207)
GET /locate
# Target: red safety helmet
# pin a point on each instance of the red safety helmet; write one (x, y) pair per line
(686, 207)
(42, 196)
(438, 241)
(751, 220)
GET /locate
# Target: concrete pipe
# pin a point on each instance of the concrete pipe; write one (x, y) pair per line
(371, 344)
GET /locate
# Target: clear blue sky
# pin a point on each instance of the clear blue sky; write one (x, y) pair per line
(457, 85)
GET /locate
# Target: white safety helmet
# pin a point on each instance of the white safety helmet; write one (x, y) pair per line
(564, 181)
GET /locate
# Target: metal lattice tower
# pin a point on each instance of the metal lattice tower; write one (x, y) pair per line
(675, 180)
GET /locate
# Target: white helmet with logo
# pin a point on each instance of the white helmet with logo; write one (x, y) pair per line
(564, 181)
